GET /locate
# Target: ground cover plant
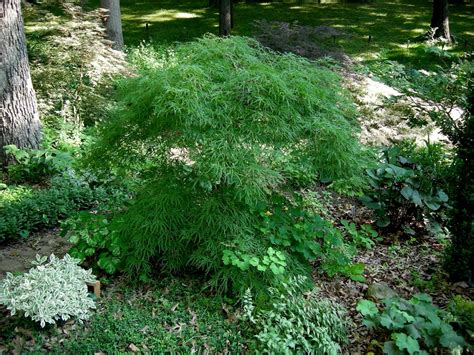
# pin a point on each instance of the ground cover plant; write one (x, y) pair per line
(412, 325)
(207, 155)
(297, 322)
(54, 290)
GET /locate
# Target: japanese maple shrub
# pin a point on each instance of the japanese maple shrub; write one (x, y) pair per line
(201, 124)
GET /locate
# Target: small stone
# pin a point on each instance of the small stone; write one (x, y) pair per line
(379, 291)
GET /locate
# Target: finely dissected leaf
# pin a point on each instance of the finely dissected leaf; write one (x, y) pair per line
(214, 126)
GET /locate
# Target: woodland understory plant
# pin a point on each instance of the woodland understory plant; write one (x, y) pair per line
(296, 321)
(55, 289)
(446, 97)
(202, 124)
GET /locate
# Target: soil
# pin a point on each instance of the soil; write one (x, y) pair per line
(17, 256)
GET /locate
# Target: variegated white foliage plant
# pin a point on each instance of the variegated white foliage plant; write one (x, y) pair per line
(52, 290)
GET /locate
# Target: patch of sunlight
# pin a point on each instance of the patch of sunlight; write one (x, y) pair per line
(186, 15)
(265, 4)
(296, 8)
(167, 15)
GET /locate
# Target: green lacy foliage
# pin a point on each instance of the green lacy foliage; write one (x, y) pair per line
(399, 192)
(24, 210)
(433, 160)
(296, 322)
(36, 165)
(54, 290)
(412, 325)
(463, 311)
(202, 123)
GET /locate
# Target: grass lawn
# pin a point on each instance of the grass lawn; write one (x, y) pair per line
(390, 23)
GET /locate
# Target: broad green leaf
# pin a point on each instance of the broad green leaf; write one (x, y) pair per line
(406, 342)
(390, 348)
(367, 308)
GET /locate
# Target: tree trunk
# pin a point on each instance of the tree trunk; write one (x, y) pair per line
(113, 22)
(440, 20)
(225, 18)
(19, 118)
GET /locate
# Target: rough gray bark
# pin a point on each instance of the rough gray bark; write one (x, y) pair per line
(225, 21)
(19, 119)
(440, 19)
(113, 22)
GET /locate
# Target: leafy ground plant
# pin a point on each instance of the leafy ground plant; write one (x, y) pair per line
(203, 135)
(55, 289)
(296, 322)
(411, 326)
(398, 196)
(173, 316)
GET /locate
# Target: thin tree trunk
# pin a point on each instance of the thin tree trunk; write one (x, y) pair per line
(440, 19)
(19, 118)
(225, 18)
(113, 22)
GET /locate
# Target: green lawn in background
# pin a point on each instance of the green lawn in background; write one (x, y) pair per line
(390, 23)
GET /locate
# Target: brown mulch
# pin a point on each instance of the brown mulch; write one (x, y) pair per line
(400, 264)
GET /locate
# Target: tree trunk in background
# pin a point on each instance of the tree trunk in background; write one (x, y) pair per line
(440, 19)
(113, 22)
(19, 119)
(225, 18)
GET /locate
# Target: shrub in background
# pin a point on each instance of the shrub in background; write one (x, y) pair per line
(463, 311)
(202, 122)
(24, 210)
(56, 289)
(36, 165)
(296, 322)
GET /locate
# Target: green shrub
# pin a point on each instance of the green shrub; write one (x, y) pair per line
(411, 325)
(24, 210)
(36, 165)
(399, 193)
(296, 322)
(202, 123)
(463, 311)
(365, 236)
(308, 238)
